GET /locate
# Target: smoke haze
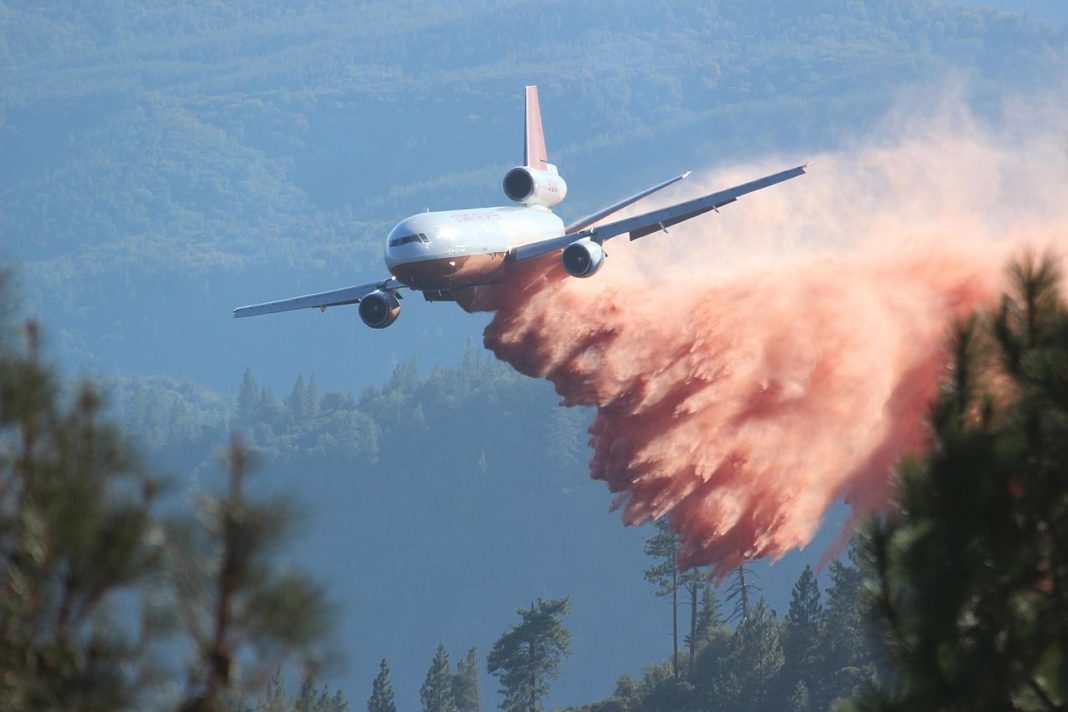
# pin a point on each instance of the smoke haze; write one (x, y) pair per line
(755, 366)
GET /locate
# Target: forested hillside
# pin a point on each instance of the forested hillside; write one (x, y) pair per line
(161, 167)
(442, 501)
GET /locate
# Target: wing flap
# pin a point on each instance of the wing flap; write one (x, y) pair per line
(333, 298)
(665, 224)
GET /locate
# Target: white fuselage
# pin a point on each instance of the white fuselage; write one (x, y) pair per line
(453, 249)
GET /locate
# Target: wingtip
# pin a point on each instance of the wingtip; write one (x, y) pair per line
(686, 174)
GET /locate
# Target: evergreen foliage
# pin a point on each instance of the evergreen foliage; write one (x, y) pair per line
(847, 646)
(235, 602)
(709, 621)
(437, 692)
(970, 581)
(762, 664)
(381, 699)
(83, 540)
(663, 546)
(275, 698)
(802, 639)
(526, 658)
(744, 677)
(78, 534)
(465, 684)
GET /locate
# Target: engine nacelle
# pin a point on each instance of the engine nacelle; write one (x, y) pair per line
(583, 258)
(379, 309)
(532, 186)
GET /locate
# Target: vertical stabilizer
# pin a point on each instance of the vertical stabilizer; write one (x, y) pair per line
(534, 153)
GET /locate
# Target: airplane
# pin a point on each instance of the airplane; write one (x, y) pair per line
(448, 255)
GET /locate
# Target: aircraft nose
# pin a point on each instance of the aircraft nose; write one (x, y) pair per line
(403, 245)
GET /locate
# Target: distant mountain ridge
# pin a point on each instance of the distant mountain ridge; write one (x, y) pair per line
(237, 153)
(158, 168)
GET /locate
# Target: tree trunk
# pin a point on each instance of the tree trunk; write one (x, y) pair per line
(675, 619)
(693, 587)
(745, 593)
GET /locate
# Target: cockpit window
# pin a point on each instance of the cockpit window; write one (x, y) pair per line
(418, 237)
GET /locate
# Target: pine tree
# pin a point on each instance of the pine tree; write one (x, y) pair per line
(275, 699)
(311, 397)
(465, 684)
(709, 620)
(847, 659)
(381, 699)
(693, 583)
(663, 546)
(235, 603)
(296, 403)
(971, 578)
(436, 692)
(82, 542)
(248, 397)
(79, 542)
(741, 592)
(799, 699)
(801, 642)
(745, 677)
(526, 658)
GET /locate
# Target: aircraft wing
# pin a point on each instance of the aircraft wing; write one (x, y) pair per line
(336, 297)
(655, 220)
(616, 207)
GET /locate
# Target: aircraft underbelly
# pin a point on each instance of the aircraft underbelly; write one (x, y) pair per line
(452, 272)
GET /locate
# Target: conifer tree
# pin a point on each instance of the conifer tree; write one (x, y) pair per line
(801, 642)
(248, 400)
(465, 684)
(78, 534)
(311, 397)
(693, 583)
(744, 679)
(94, 581)
(436, 692)
(709, 620)
(234, 601)
(846, 651)
(663, 547)
(381, 699)
(296, 402)
(742, 592)
(971, 578)
(526, 658)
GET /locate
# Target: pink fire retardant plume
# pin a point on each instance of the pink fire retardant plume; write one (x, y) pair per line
(753, 367)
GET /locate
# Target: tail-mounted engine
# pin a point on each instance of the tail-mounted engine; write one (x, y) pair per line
(379, 309)
(534, 186)
(583, 258)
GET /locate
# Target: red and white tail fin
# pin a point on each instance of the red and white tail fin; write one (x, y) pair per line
(534, 153)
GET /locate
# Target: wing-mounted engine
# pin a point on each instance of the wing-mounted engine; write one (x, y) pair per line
(379, 309)
(535, 186)
(583, 258)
